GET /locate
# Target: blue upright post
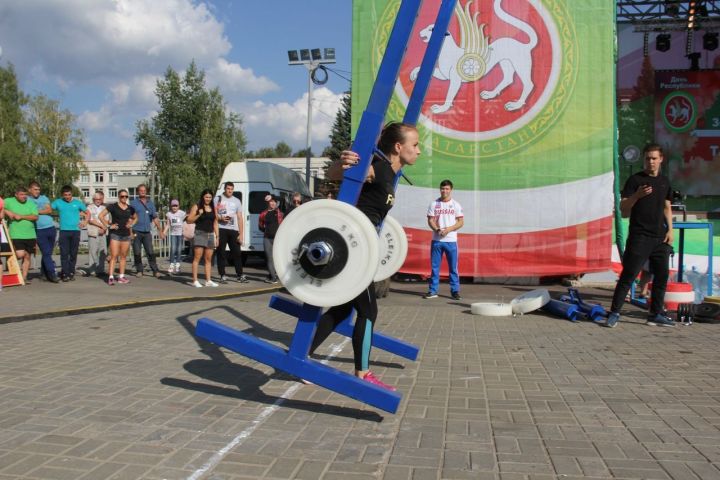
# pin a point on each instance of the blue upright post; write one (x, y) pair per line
(380, 96)
(417, 97)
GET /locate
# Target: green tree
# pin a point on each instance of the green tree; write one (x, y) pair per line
(13, 166)
(339, 138)
(340, 135)
(265, 152)
(645, 85)
(53, 143)
(193, 136)
(280, 150)
(303, 153)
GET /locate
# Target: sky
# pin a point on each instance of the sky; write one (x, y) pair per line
(101, 59)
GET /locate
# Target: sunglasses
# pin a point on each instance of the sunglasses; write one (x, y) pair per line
(123, 196)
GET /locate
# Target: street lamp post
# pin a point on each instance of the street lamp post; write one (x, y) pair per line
(313, 60)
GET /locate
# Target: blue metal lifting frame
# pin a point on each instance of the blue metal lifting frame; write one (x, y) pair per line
(296, 361)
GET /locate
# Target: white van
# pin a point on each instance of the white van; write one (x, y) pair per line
(253, 181)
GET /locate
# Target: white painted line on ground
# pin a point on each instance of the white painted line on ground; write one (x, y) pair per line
(265, 413)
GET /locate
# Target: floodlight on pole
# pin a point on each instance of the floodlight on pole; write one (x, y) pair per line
(311, 59)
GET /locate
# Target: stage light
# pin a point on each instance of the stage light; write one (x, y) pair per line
(662, 42)
(691, 15)
(710, 41)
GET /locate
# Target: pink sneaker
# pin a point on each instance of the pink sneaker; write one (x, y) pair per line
(111, 281)
(369, 377)
(123, 280)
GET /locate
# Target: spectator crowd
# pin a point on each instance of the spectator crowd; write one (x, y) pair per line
(213, 227)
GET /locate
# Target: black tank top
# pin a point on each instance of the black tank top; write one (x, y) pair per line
(378, 197)
(205, 221)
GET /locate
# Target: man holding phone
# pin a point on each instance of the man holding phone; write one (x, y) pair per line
(230, 222)
(646, 199)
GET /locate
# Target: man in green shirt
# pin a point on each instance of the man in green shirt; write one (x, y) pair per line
(21, 215)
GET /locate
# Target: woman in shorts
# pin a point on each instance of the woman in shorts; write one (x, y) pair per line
(123, 218)
(206, 236)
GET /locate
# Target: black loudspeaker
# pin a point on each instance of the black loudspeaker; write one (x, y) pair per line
(662, 42)
(710, 41)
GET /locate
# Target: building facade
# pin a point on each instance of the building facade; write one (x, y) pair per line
(110, 177)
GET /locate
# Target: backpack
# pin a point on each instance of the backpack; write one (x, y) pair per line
(188, 231)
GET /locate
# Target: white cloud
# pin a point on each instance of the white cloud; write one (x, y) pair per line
(81, 40)
(137, 91)
(93, 121)
(266, 124)
(138, 153)
(231, 77)
(117, 50)
(102, 155)
(93, 156)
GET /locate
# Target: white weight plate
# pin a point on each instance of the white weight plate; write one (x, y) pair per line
(393, 249)
(360, 237)
(530, 301)
(489, 309)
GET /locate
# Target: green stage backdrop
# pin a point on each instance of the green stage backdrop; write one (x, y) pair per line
(519, 115)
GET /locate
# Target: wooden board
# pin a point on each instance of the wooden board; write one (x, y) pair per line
(13, 276)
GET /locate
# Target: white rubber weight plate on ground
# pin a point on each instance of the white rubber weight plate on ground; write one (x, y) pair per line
(488, 309)
(530, 301)
(393, 249)
(359, 236)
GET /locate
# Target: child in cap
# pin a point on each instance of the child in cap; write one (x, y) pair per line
(174, 224)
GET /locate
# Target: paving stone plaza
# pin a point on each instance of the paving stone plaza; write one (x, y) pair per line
(131, 393)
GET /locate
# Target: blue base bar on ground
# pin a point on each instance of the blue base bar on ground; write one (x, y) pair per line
(379, 340)
(323, 375)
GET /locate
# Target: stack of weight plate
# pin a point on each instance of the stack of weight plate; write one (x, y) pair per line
(708, 311)
(525, 303)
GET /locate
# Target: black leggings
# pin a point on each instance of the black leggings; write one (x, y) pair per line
(638, 249)
(365, 305)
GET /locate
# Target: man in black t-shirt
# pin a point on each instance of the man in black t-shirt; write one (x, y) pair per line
(268, 223)
(646, 200)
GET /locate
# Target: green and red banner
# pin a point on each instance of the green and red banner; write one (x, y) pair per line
(687, 125)
(519, 115)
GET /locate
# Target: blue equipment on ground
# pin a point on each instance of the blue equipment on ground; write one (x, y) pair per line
(561, 309)
(594, 312)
